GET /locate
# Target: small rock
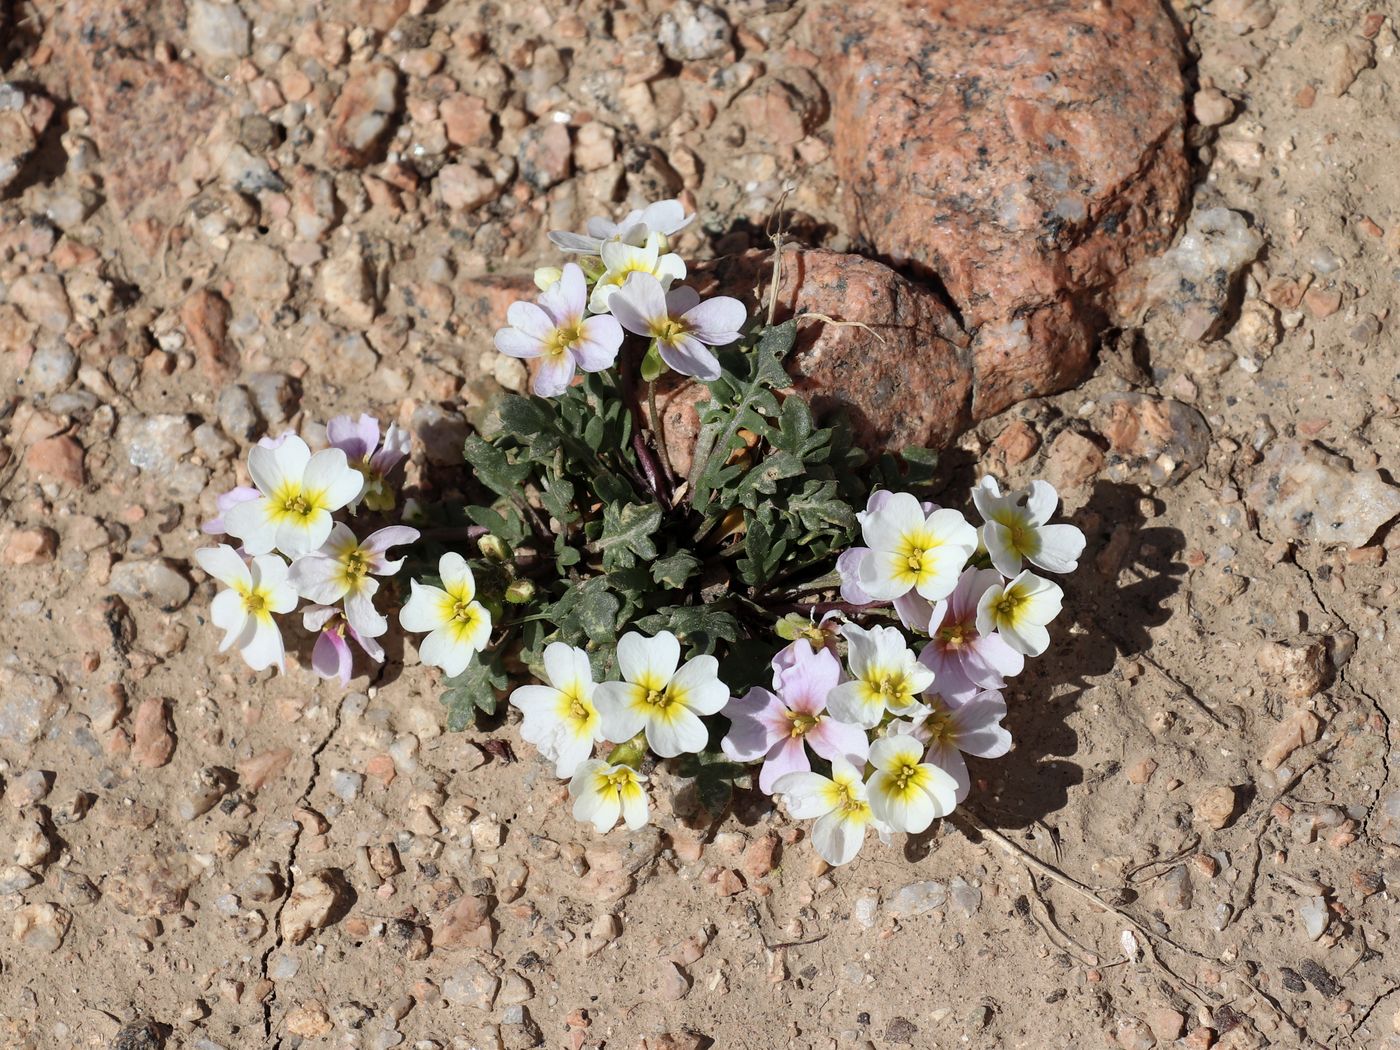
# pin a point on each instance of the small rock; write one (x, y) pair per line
(154, 580)
(441, 433)
(42, 298)
(259, 768)
(312, 904)
(473, 985)
(205, 315)
(1346, 59)
(546, 155)
(691, 32)
(1298, 671)
(515, 990)
(1073, 460)
(349, 289)
(59, 458)
(347, 785)
(466, 187)
(467, 120)
(24, 114)
(146, 886)
(917, 898)
(670, 981)
(1315, 916)
(1173, 890)
(1191, 283)
(965, 898)
(237, 416)
(52, 368)
(1016, 443)
(606, 928)
(360, 119)
(1212, 107)
(276, 395)
(218, 30)
(30, 547)
(1216, 806)
(308, 1020)
(1133, 1033)
(1304, 492)
(16, 879)
(1158, 438)
(466, 924)
(759, 856)
(41, 927)
(156, 444)
(1300, 727)
(154, 742)
(1140, 772)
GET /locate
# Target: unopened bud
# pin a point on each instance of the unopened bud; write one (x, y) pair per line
(494, 548)
(520, 592)
(547, 276)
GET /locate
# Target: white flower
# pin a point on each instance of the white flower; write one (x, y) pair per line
(602, 793)
(1016, 528)
(297, 494)
(256, 590)
(906, 792)
(560, 718)
(557, 333)
(459, 624)
(658, 698)
(910, 550)
(886, 676)
(621, 260)
(949, 729)
(840, 805)
(1019, 611)
(664, 217)
(345, 568)
(679, 324)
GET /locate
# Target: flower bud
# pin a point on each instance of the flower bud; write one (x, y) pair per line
(520, 592)
(494, 548)
(547, 276)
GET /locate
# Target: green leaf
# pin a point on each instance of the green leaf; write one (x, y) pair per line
(627, 534)
(762, 480)
(714, 777)
(475, 689)
(701, 627)
(675, 569)
(587, 612)
(493, 469)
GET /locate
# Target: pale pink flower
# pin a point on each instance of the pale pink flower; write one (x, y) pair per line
(779, 726)
(963, 660)
(681, 326)
(331, 656)
(359, 440)
(951, 730)
(557, 333)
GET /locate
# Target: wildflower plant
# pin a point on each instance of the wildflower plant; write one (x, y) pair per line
(786, 614)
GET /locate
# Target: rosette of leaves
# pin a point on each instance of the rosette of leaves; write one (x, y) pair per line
(601, 537)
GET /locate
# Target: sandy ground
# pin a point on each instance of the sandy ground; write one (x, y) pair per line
(1208, 751)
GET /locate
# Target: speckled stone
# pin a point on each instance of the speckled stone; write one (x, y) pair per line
(1023, 153)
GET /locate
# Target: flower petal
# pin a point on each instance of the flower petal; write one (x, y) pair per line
(717, 321)
(699, 680)
(553, 375)
(680, 734)
(639, 303)
(648, 660)
(599, 340)
(837, 838)
(688, 356)
(423, 610)
(531, 319)
(618, 717)
(515, 343)
(790, 756)
(225, 565)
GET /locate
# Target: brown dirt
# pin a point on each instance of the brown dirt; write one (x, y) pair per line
(1208, 749)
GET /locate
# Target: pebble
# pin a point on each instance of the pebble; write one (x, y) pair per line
(218, 30)
(348, 288)
(59, 457)
(472, 985)
(313, 901)
(1216, 806)
(1299, 727)
(276, 396)
(30, 547)
(670, 981)
(966, 898)
(362, 115)
(41, 927)
(1212, 107)
(1304, 492)
(153, 580)
(52, 368)
(1073, 460)
(156, 444)
(347, 785)
(606, 928)
(1191, 282)
(154, 742)
(545, 155)
(237, 416)
(691, 32)
(916, 898)
(1296, 670)
(1315, 916)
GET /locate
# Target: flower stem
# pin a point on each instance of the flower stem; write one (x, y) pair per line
(658, 427)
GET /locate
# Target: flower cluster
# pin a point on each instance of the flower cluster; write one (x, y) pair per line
(889, 727)
(623, 284)
(687, 620)
(290, 545)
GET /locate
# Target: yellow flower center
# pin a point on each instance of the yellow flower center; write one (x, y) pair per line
(356, 564)
(847, 801)
(254, 602)
(800, 725)
(906, 773)
(618, 780)
(562, 339)
(890, 686)
(577, 710)
(669, 330)
(915, 560)
(296, 503)
(955, 635)
(660, 698)
(939, 726)
(1009, 604)
(462, 610)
